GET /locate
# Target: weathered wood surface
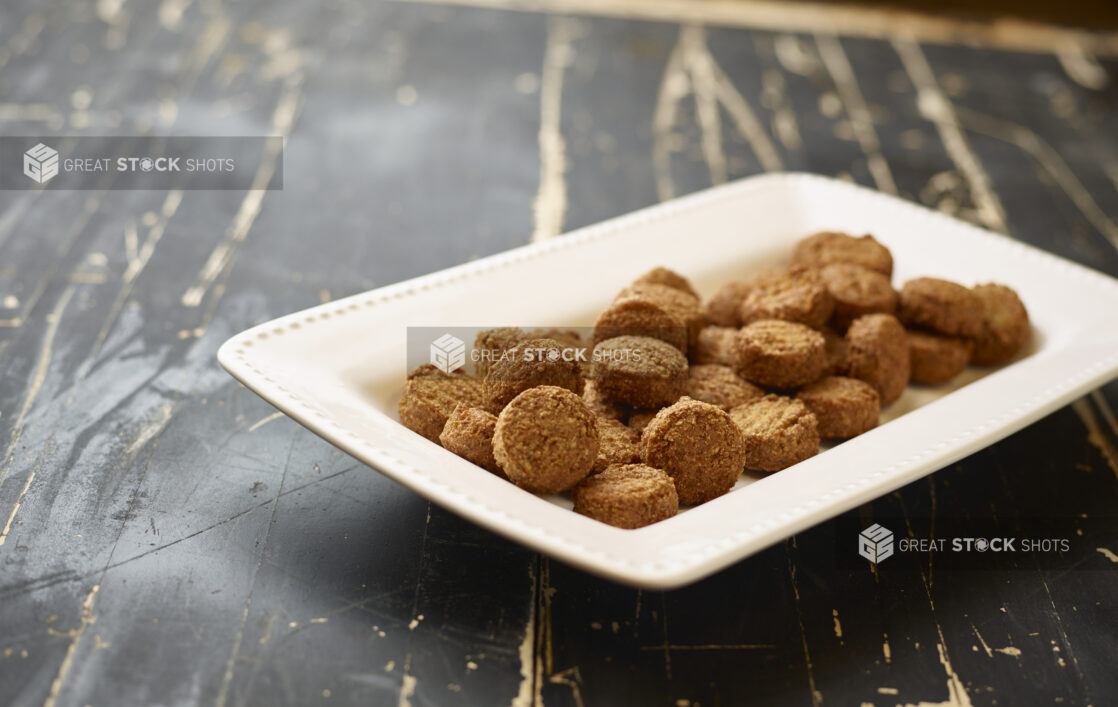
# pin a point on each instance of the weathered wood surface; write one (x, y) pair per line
(168, 539)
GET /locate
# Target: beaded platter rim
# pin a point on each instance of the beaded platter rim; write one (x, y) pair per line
(647, 568)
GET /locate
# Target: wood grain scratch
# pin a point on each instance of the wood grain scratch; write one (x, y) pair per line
(816, 695)
(231, 664)
(227, 676)
(1066, 642)
(1111, 169)
(544, 657)
(265, 420)
(774, 96)
(407, 690)
(90, 206)
(957, 695)
(210, 41)
(138, 259)
(956, 692)
(982, 641)
(674, 86)
(75, 634)
(407, 680)
(794, 56)
(524, 693)
(1049, 159)
(150, 429)
(743, 117)
(1082, 68)
(691, 69)
(838, 66)
(43, 582)
(223, 256)
(170, 205)
(550, 207)
(15, 508)
(572, 679)
(700, 66)
(1107, 414)
(39, 376)
(935, 107)
(1095, 434)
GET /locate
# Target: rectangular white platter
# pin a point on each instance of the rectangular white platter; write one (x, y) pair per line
(338, 368)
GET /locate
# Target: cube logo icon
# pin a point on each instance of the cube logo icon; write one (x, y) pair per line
(40, 163)
(875, 543)
(448, 353)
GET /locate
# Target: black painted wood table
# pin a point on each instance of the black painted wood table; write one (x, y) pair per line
(169, 539)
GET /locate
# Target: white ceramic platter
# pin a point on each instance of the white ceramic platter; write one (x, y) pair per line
(338, 368)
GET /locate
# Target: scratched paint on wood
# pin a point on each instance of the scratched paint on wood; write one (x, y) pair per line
(168, 537)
